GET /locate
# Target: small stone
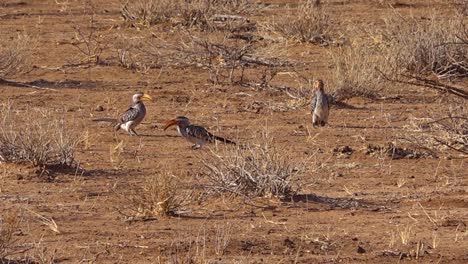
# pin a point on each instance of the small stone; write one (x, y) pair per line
(99, 108)
(337, 174)
(343, 151)
(289, 243)
(182, 99)
(361, 250)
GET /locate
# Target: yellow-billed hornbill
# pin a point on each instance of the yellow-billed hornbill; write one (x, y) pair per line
(133, 116)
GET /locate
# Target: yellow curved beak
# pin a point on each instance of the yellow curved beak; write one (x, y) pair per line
(170, 123)
(146, 97)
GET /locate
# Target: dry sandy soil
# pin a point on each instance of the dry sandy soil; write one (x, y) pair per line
(351, 208)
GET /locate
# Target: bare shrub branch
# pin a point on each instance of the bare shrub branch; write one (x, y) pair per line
(425, 82)
(222, 237)
(89, 40)
(202, 14)
(405, 50)
(225, 58)
(47, 221)
(156, 52)
(14, 56)
(353, 73)
(447, 132)
(309, 22)
(36, 138)
(132, 54)
(253, 171)
(425, 46)
(147, 13)
(9, 224)
(197, 13)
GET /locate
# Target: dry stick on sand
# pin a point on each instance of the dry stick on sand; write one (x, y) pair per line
(424, 82)
(49, 222)
(445, 118)
(19, 84)
(446, 144)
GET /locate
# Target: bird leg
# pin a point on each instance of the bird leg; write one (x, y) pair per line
(133, 132)
(196, 146)
(315, 122)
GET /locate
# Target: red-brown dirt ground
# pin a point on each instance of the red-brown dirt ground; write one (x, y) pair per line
(356, 208)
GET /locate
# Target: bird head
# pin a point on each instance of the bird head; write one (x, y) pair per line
(140, 96)
(178, 121)
(318, 85)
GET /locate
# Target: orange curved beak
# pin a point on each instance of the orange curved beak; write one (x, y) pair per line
(170, 123)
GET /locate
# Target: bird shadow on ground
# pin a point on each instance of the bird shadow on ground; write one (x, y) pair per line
(343, 203)
(104, 173)
(51, 171)
(365, 127)
(343, 105)
(158, 136)
(28, 260)
(52, 85)
(21, 261)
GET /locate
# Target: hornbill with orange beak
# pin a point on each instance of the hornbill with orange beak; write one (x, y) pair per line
(197, 135)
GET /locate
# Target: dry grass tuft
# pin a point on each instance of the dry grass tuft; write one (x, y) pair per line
(403, 49)
(142, 54)
(228, 59)
(41, 254)
(309, 22)
(89, 40)
(11, 248)
(14, 56)
(354, 74)
(160, 195)
(37, 138)
(437, 45)
(259, 170)
(142, 13)
(222, 238)
(188, 13)
(9, 224)
(47, 221)
(197, 13)
(443, 133)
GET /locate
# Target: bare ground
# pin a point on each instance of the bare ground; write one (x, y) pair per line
(356, 208)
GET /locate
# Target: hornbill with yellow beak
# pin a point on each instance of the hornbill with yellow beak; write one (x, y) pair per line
(133, 116)
(197, 135)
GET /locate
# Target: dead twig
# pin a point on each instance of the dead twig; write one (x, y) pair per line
(19, 84)
(448, 145)
(49, 222)
(427, 83)
(445, 118)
